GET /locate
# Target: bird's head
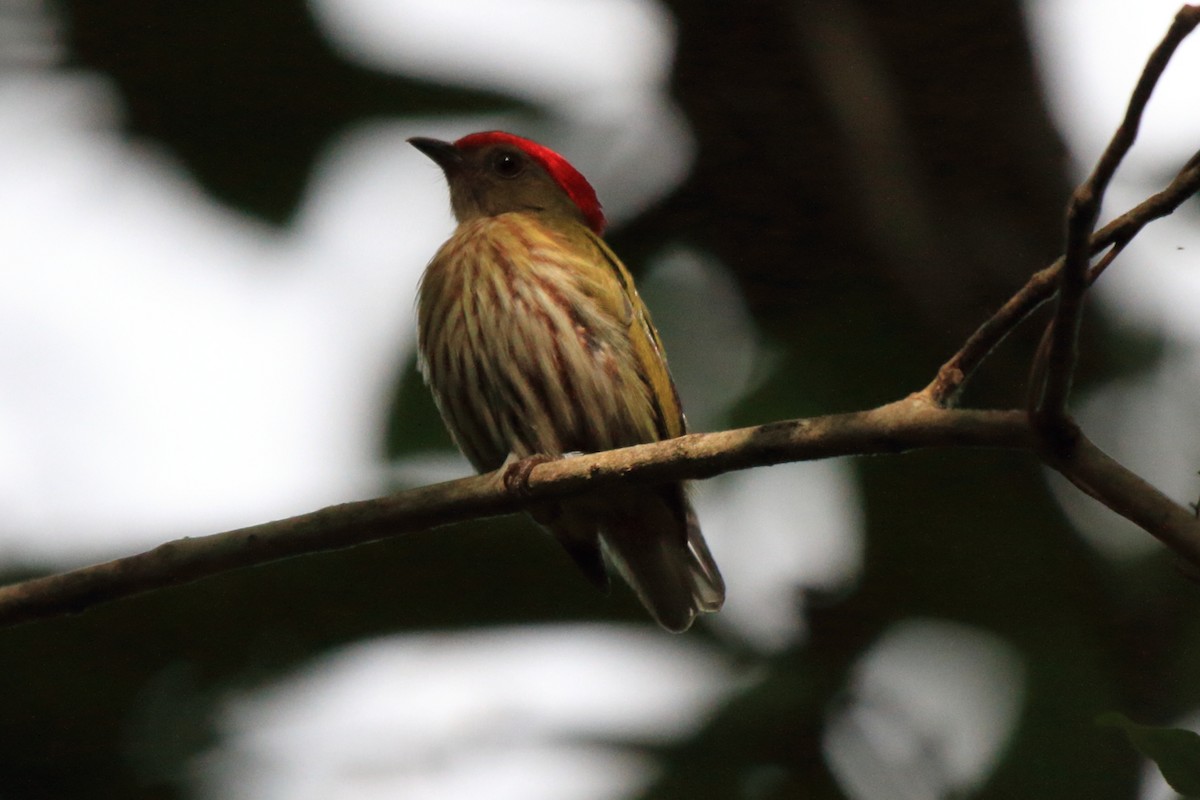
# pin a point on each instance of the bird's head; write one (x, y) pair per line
(494, 172)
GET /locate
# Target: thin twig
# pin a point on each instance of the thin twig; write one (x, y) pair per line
(1040, 363)
(1122, 230)
(1037, 372)
(1082, 213)
(953, 375)
(1097, 269)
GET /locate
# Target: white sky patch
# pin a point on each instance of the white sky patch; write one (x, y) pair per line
(168, 366)
(1092, 52)
(545, 51)
(1149, 424)
(712, 343)
(929, 710)
(522, 714)
(1155, 283)
(599, 66)
(775, 532)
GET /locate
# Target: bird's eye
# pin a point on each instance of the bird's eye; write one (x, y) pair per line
(508, 165)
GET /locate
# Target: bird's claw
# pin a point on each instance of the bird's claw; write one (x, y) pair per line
(517, 471)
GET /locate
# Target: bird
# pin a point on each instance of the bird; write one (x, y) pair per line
(535, 344)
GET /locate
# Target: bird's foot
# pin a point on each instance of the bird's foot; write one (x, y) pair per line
(517, 471)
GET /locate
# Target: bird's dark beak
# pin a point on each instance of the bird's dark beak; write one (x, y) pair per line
(444, 154)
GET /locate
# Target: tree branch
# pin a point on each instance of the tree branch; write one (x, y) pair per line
(893, 428)
(1097, 474)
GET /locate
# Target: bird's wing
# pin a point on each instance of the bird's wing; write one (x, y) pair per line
(647, 346)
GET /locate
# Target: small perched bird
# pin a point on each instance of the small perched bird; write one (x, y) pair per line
(535, 342)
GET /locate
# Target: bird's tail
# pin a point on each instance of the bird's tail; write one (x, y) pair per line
(661, 553)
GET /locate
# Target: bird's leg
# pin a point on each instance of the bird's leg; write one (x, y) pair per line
(517, 471)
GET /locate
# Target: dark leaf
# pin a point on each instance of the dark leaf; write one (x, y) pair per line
(1176, 751)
